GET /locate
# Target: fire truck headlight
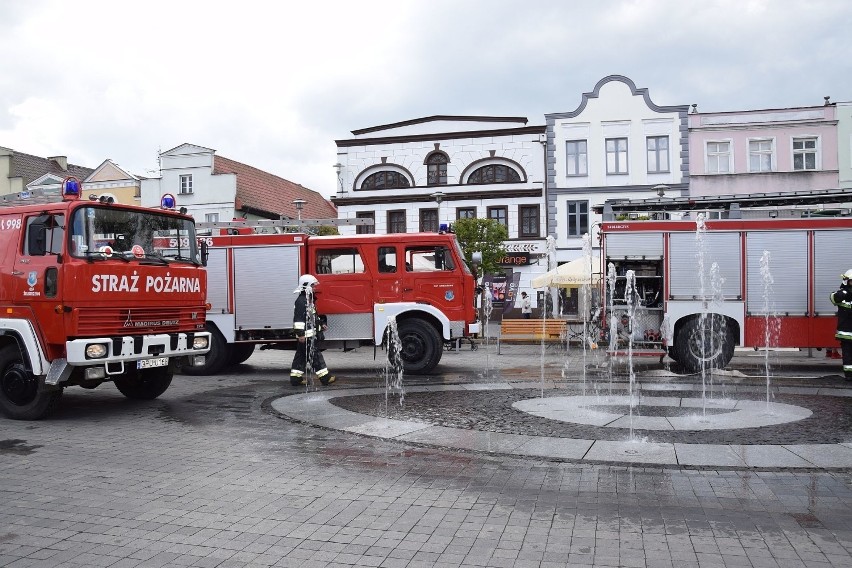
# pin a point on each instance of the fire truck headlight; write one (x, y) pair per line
(96, 351)
(199, 342)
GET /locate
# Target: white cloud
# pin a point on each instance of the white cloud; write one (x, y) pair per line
(274, 84)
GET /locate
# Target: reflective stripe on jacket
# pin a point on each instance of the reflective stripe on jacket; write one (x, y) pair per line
(843, 300)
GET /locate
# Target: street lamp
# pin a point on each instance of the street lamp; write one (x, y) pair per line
(338, 167)
(299, 203)
(438, 197)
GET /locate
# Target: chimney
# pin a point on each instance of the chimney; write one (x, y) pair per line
(61, 160)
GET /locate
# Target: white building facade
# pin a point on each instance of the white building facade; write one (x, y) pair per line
(186, 172)
(417, 175)
(617, 144)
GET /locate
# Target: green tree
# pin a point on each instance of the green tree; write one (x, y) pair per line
(324, 230)
(485, 236)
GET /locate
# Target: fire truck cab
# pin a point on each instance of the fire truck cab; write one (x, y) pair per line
(93, 291)
(420, 280)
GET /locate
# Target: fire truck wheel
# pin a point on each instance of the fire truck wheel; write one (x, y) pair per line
(144, 384)
(421, 346)
(240, 352)
(20, 395)
(216, 358)
(672, 354)
(717, 350)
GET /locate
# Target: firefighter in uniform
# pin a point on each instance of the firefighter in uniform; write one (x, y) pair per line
(308, 326)
(843, 300)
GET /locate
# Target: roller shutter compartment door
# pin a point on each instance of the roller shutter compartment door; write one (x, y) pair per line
(783, 288)
(685, 252)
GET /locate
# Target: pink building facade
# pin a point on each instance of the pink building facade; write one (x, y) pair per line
(763, 151)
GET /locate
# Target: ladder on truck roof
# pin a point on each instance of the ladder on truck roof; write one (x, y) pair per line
(33, 197)
(280, 223)
(731, 205)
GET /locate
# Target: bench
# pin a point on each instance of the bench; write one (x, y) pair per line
(531, 330)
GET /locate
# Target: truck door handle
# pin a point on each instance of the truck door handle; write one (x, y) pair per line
(404, 289)
(16, 273)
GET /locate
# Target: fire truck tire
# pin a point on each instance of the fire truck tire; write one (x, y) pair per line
(21, 398)
(240, 352)
(672, 354)
(688, 352)
(144, 384)
(217, 358)
(421, 346)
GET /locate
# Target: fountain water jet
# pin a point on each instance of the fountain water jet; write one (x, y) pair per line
(700, 240)
(771, 322)
(487, 308)
(613, 322)
(551, 264)
(393, 368)
(629, 298)
(585, 299)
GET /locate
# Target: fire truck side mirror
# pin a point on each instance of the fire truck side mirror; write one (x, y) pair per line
(205, 252)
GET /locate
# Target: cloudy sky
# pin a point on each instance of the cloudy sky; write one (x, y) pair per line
(274, 84)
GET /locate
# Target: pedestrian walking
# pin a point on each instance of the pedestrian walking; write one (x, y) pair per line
(309, 327)
(526, 306)
(842, 298)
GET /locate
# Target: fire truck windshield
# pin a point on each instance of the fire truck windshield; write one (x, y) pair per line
(100, 233)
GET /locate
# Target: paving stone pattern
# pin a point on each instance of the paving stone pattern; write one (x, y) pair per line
(209, 476)
(492, 411)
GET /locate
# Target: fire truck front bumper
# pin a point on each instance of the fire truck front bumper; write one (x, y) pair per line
(105, 356)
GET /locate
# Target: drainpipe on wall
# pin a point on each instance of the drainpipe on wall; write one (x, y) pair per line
(543, 141)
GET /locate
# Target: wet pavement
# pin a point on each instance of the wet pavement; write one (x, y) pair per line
(216, 473)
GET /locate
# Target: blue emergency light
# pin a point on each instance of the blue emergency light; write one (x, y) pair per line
(70, 188)
(167, 201)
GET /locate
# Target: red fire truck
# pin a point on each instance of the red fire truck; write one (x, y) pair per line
(94, 291)
(702, 290)
(420, 279)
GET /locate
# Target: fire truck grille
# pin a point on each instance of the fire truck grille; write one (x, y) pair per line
(92, 322)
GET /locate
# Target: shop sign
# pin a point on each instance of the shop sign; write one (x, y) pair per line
(516, 259)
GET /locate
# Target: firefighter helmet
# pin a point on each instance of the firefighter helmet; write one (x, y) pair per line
(846, 276)
(305, 280)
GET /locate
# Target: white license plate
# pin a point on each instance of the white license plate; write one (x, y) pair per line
(148, 363)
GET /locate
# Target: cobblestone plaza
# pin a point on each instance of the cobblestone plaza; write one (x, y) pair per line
(517, 459)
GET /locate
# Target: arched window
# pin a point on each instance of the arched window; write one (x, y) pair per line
(494, 173)
(385, 180)
(436, 168)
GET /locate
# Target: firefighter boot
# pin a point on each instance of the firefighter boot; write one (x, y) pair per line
(328, 379)
(297, 378)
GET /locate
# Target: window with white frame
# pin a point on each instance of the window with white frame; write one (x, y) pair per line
(616, 155)
(658, 154)
(718, 158)
(211, 217)
(186, 183)
(805, 153)
(576, 156)
(760, 155)
(578, 218)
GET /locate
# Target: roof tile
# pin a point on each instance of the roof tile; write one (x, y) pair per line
(263, 191)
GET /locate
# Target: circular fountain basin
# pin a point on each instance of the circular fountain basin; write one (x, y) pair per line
(662, 413)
